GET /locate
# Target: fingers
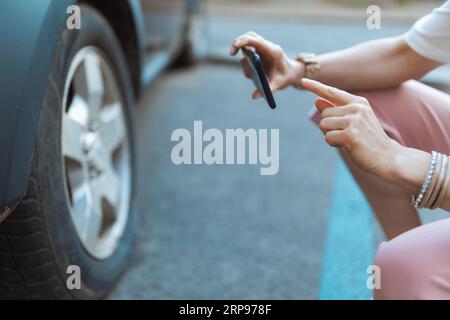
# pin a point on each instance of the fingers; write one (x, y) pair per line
(329, 110)
(245, 67)
(244, 40)
(253, 40)
(338, 112)
(336, 138)
(256, 94)
(322, 104)
(333, 123)
(334, 95)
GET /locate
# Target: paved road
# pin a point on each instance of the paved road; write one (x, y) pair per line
(223, 232)
(226, 231)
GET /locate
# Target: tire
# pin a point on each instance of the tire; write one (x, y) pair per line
(39, 240)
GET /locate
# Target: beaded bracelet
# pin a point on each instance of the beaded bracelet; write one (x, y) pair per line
(430, 194)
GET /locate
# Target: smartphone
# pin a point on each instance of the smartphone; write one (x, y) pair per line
(258, 76)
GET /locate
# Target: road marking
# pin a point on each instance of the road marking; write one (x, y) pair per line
(348, 247)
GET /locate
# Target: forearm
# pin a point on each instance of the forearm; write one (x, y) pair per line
(372, 65)
(409, 168)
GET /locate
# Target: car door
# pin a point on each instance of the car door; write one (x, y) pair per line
(164, 23)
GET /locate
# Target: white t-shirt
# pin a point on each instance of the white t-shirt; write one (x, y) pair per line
(430, 36)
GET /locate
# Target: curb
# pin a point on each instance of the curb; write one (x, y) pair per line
(289, 11)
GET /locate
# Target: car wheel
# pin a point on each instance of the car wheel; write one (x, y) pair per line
(78, 217)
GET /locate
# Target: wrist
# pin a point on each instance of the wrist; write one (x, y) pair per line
(408, 167)
(396, 160)
(297, 72)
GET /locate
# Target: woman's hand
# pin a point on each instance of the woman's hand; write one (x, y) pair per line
(281, 71)
(348, 122)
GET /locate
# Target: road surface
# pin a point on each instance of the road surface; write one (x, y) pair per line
(226, 232)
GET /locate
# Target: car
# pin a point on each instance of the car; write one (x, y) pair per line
(71, 74)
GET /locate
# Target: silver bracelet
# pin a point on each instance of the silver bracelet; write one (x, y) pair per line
(417, 200)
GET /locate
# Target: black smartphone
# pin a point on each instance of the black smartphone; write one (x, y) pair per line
(258, 76)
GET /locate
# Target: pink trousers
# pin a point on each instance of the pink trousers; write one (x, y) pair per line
(416, 264)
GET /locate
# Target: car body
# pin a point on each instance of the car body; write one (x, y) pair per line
(151, 34)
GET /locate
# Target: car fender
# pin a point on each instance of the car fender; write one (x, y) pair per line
(30, 31)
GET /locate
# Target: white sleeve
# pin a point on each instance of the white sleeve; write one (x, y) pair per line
(430, 36)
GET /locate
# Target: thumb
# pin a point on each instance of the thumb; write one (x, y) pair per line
(322, 104)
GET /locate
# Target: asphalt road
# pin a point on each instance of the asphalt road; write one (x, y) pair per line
(225, 232)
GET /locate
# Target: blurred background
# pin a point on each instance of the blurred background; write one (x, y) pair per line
(225, 232)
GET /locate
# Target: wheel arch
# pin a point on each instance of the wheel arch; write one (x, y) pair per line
(29, 50)
(127, 21)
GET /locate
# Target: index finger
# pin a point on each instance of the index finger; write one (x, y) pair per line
(250, 40)
(334, 95)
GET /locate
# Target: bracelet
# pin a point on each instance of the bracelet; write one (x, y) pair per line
(444, 188)
(416, 201)
(435, 181)
(434, 194)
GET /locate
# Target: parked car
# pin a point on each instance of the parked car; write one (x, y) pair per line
(66, 134)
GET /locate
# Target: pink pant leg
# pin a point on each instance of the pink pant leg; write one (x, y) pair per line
(416, 264)
(414, 114)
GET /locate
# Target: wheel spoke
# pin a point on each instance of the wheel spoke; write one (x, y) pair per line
(72, 131)
(89, 83)
(79, 203)
(112, 126)
(93, 221)
(108, 185)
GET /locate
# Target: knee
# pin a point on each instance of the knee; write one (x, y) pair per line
(402, 275)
